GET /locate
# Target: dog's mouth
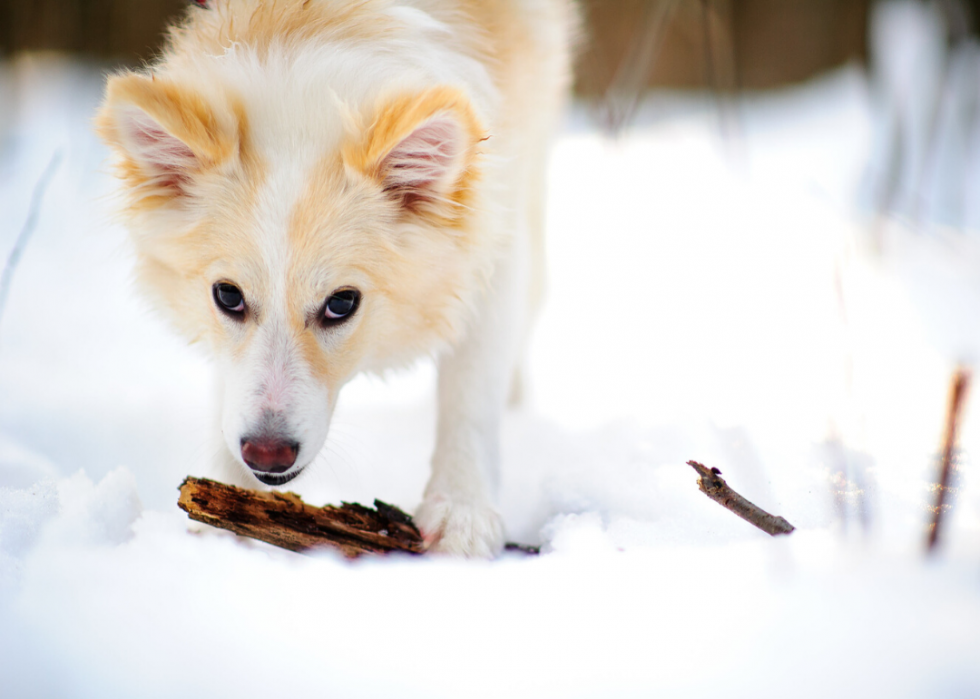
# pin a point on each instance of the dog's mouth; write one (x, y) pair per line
(276, 479)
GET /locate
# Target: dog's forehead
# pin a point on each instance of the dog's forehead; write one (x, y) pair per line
(311, 227)
(276, 200)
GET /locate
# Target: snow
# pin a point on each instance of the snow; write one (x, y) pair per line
(731, 302)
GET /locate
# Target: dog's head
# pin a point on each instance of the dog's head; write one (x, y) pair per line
(299, 254)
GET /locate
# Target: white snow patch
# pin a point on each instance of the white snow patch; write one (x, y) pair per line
(707, 302)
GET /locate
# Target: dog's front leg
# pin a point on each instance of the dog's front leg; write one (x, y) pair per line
(458, 513)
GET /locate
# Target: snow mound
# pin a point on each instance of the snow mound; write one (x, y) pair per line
(70, 512)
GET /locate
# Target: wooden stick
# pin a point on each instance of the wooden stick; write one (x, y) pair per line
(957, 397)
(284, 520)
(714, 486)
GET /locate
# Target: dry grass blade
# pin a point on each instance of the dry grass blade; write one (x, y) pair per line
(954, 409)
(33, 212)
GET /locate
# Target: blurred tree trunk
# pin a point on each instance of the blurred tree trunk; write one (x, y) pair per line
(130, 30)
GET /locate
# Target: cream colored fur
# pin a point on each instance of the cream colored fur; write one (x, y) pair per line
(296, 147)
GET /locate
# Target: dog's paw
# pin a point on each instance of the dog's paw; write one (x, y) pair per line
(460, 528)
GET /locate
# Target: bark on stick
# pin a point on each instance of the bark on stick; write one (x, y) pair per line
(284, 520)
(714, 486)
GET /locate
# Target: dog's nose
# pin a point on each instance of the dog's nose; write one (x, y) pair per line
(269, 455)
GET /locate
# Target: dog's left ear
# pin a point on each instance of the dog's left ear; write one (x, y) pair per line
(422, 150)
(164, 134)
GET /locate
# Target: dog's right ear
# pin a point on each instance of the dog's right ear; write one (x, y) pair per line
(163, 134)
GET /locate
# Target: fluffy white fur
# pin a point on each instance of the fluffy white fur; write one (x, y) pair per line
(294, 149)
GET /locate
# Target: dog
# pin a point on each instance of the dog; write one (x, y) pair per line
(318, 188)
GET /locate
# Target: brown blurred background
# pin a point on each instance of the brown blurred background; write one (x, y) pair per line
(753, 43)
(632, 43)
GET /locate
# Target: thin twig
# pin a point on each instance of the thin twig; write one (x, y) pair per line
(727, 118)
(714, 486)
(711, 77)
(622, 96)
(30, 224)
(957, 397)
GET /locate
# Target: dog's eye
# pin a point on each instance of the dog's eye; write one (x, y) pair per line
(341, 305)
(229, 299)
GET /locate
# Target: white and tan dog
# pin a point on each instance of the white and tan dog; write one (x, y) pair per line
(317, 188)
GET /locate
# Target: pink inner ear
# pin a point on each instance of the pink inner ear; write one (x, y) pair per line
(426, 163)
(165, 158)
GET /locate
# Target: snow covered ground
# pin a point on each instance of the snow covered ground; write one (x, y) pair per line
(734, 303)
